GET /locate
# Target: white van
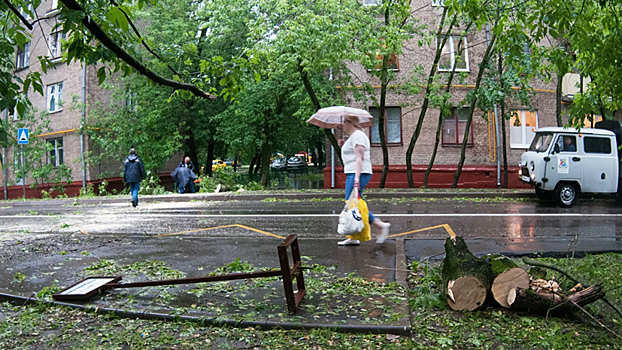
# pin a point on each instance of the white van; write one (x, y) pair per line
(563, 163)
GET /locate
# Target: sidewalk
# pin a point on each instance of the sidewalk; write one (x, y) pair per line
(362, 302)
(374, 193)
(365, 301)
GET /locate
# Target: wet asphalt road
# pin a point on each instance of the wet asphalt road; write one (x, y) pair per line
(54, 240)
(411, 218)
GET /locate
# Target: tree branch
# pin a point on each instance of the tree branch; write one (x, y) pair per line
(142, 41)
(18, 14)
(533, 262)
(96, 30)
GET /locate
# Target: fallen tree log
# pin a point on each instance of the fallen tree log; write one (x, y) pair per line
(465, 278)
(555, 304)
(507, 277)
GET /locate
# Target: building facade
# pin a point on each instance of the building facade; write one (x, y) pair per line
(481, 165)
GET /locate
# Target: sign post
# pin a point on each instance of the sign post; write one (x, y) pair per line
(22, 139)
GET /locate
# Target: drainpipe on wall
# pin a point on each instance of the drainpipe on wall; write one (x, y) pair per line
(332, 149)
(82, 120)
(497, 125)
(6, 120)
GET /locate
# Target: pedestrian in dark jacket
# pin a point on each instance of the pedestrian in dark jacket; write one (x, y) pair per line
(187, 163)
(184, 177)
(133, 174)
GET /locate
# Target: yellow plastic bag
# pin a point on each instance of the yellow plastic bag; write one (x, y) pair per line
(364, 235)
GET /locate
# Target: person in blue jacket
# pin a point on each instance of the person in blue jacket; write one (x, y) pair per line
(133, 174)
(184, 177)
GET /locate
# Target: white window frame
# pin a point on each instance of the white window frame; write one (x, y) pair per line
(25, 13)
(57, 94)
(57, 160)
(54, 6)
(22, 59)
(522, 144)
(56, 45)
(372, 2)
(452, 52)
(374, 133)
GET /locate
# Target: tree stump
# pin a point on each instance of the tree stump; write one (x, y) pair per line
(507, 277)
(465, 278)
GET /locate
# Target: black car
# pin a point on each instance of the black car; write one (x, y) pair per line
(279, 164)
(294, 163)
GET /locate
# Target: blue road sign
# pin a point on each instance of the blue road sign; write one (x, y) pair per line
(22, 136)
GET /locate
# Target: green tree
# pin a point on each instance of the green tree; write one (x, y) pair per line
(384, 38)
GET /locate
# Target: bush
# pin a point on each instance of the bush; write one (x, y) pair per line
(151, 185)
(229, 181)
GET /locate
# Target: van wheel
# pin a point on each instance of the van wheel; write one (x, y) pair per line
(566, 194)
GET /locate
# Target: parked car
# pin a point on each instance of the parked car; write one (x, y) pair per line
(294, 163)
(279, 163)
(218, 164)
(564, 163)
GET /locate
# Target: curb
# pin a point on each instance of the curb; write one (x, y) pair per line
(285, 195)
(213, 321)
(401, 277)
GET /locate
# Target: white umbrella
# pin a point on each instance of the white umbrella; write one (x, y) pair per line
(332, 117)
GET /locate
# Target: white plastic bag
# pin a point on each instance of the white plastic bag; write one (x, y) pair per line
(350, 219)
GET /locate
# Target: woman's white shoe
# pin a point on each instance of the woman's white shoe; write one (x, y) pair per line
(384, 233)
(349, 242)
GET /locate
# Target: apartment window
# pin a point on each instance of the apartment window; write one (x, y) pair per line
(23, 57)
(21, 98)
(27, 13)
(392, 64)
(591, 119)
(56, 44)
(55, 151)
(55, 97)
(523, 125)
(454, 126)
(392, 125)
(371, 2)
(454, 52)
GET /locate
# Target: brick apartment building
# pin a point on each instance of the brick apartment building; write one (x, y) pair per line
(480, 167)
(66, 87)
(67, 83)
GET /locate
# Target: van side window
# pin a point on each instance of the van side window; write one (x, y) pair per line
(597, 145)
(567, 143)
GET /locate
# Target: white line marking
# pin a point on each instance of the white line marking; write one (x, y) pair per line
(303, 215)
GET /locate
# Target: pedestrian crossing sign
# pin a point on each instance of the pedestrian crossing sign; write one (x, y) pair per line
(22, 136)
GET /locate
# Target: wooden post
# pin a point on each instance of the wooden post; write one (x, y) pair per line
(293, 301)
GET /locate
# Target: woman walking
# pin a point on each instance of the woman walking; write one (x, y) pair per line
(357, 167)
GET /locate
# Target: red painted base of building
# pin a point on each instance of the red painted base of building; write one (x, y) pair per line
(441, 176)
(114, 185)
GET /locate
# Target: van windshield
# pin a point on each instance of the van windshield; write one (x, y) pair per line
(541, 142)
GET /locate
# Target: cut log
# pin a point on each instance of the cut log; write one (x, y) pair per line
(546, 302)
(507, 277)
(465, 278)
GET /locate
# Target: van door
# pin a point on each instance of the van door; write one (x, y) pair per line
(565, 165)
(599, 164)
